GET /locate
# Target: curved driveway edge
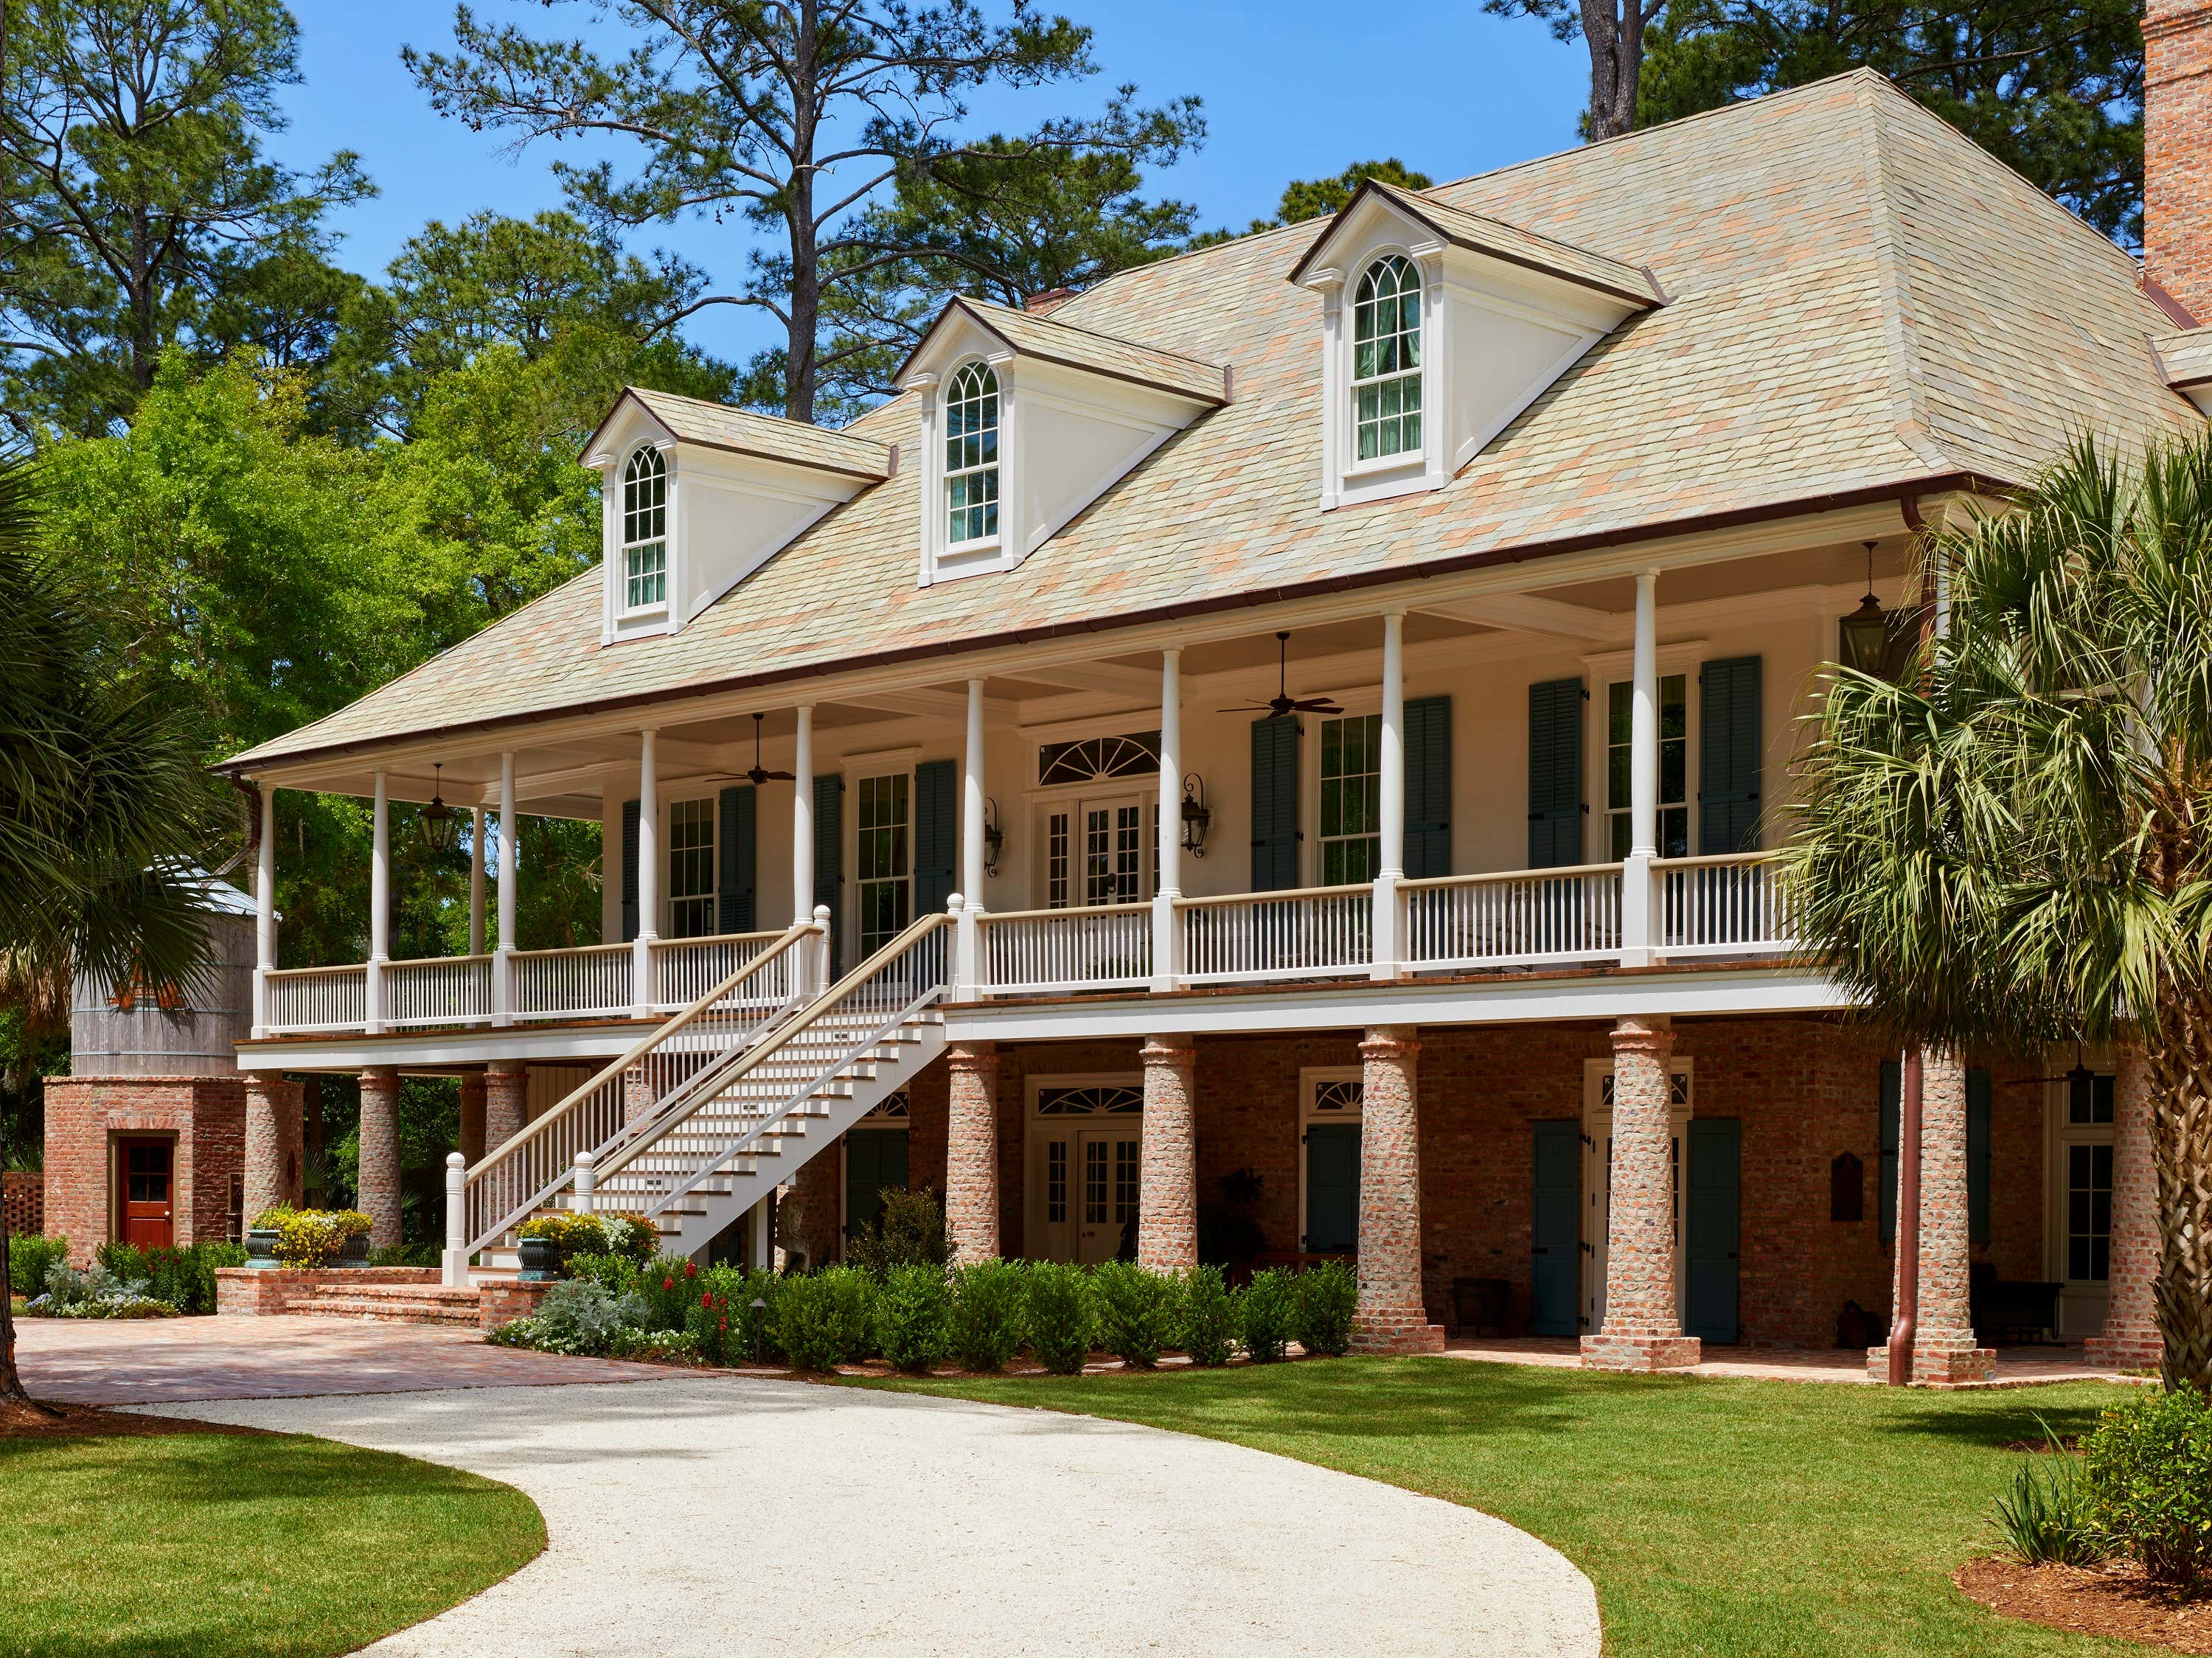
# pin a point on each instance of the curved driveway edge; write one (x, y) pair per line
(712, 1514)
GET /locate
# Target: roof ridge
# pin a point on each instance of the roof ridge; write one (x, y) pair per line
(1900, 340)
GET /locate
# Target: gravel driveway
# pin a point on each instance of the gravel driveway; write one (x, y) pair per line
(726, 1515)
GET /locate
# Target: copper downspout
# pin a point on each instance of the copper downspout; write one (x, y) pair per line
(1902, 1328)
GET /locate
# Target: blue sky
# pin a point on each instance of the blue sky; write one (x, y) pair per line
(1292, 89)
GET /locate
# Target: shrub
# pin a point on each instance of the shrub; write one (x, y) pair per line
(573, 1234)
(98, 1293)
(988, 1322)
(29, 1260)
(2045, 1517)
(272, 1219)
(185, 1278)
(424, 1253)
(670, 1346)
(824, 1319)
(1265, 1308)
(2149, 1465)
(1063, 1315)
(1327, 1296)
(752, 1329)
(1139, 1312)
(578, 1316)
(707, 1321)
(1209, 1317)
(911, 1233)
(309, 1238)
(912, 1314)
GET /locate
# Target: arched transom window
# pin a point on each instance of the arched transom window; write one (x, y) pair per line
(645, 529)
(971, 456)
(1386, 360)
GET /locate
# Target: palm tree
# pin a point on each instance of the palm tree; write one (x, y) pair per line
(2013, 846)
(102, 795)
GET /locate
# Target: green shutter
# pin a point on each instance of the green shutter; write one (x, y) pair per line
(735, 885)
(628, 870)
(1729, 751)
(1428, 786)
(1712, 1222)
(1274, 804)
(1332, 1188)
(1893, 1083)
(936, 834)
(875, 1159)
(1554, 1230)
(1555, 774)
(828, 851)
(1977, 1155)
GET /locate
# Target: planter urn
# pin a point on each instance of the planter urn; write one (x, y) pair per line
(261, 1247)
(541, 1260)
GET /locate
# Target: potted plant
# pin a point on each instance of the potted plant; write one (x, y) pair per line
(263, 1237)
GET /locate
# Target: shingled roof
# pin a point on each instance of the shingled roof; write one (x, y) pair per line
(1054, 340)
(1858, 298)
(717, 426)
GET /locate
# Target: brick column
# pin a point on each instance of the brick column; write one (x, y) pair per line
(637, 1093)
(1943, 1350)
(1391, 1318)
(1641, 1330)
(379, 1187)
(2131, 1338)
(506, 1102)
(472, 1147)
(1167, 1202)
(272, 1141)
(971, 1150)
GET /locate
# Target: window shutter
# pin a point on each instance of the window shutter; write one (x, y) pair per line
(936, 835)
(1428, 786)
(1893, 1098)
(628, 870)
(1274, 804)
(1555, 774)
(1977, 1155)
(1712, 1225)
(829, 848)
(734, 881)
(1728, 756)
(1554, 1237)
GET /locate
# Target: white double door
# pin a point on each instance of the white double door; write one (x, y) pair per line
(1096, 851)
(1091, 1177)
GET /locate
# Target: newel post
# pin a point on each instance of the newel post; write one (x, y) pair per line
(586, 1181)
(456, 1261)
(967, 940)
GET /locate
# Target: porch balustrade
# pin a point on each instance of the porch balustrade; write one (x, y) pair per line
(684, 969)
(590, 983)
(1039, 950)
(310, 998)
(1303, 933)
(1525, 918)
(438, 990)
(1724, 906)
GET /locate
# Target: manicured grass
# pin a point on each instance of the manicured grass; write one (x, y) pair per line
(270, 1545)
(1716, 1517)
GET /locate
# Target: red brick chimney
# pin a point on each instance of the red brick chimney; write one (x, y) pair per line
(2178, 152)
(1052, 299)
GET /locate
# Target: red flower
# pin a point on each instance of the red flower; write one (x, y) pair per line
(690, 1269)
(707, 1300)
(668, 1284)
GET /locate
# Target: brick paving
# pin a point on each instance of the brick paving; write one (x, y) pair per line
(166, 1361)
(2014, 1366)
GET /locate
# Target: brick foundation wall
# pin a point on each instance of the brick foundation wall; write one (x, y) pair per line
(503, 1301)
(2178, 151)
(85, 1115)
(264, 1291)
(23, 1204)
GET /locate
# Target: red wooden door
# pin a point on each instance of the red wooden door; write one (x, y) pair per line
(148, 1210)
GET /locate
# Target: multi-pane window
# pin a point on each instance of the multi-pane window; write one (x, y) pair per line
(1055, 842)
(690, 869)
(1110, 1182)
(886, 895)
(2089, 1101)
(971, 456)
(1094, 1182)
(1386, 360)
(645, 531)
(1055, 1183)
(1112, 854)
(1674, 767)
(1350, 798)
(2089, 1212)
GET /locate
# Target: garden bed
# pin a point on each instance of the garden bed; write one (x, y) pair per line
(2114, 1601)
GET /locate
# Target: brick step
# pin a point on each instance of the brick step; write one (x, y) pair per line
(429, 1303)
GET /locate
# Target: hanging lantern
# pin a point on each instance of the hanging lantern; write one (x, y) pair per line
(1866, 630)
(441, 824)
(1197, 818)
(994, 838)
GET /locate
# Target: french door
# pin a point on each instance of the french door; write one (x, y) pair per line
(1106, 1162)
(1095, 852)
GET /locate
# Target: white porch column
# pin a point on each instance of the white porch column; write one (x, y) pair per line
(456, 1258)
(814, 956)
(1167, 937)
(1637, 923)
(642, 994)
(379, 905)
(1392, 779)
(265, 909)
(968, 939)
(476, 881)
(502, 965)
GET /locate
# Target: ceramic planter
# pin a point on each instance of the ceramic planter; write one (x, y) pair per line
(261, 1247)
(541, 1260)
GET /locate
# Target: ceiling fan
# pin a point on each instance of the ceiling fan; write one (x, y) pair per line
(2081, 1082)
(759, 774)
(1283, 702)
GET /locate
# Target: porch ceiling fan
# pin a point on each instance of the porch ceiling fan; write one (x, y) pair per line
(1282, 702)
(2080, 1080)
(757, 773)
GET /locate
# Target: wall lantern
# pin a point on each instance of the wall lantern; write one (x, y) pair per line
(1196, 819)
(995, 839)
(441, 824)
(1866, 630)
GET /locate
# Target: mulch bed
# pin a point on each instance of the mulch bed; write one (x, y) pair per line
(89, 1421)
(2112, 1600)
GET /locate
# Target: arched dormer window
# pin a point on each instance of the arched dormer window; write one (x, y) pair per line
(971, 456)
(645, 531)
(1386, 360)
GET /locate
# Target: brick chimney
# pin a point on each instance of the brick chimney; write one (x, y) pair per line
(1051, 299)
(2178, 152)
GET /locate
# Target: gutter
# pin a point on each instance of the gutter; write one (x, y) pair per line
(1906, 1323)
(1906, 495)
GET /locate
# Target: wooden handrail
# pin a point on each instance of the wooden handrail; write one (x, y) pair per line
(1280, 895)
(1557, 871)
(1066, 912)
(1718, 859)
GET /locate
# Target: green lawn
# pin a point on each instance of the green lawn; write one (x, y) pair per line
(273, 1546)
(1757, 1518)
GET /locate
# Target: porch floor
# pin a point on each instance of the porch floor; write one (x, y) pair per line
(2015, 1366)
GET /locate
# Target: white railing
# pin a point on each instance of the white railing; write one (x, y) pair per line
(438, 990)
(684, 969)
(1032, 951)
(514, 1178)
(318, 998)
(1726, 906)
(591, 981)
(1300, 933)
(1517, 919)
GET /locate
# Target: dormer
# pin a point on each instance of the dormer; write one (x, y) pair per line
(2185, 358)
(1438, 327)
(696, 496)
(1026, 421)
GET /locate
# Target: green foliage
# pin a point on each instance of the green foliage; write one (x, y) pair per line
(99, 1293)
(989, 1317)
(1209, 1317)
(309, 1238)
(1140, 1312)
(573, 1233)
(2150, 1482)
(826, 1319)
(1314, 198)
(184, 1278)
(422, 1253)
(1327, 1296)
(911, 1232)
(1063, 1312)
(714, 1318)
(913, 1311)
(577, 1316)
(2045, 1516)
(1267, 1312)
(29, 1259)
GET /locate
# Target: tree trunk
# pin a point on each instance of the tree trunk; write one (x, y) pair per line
(2180, 1055)
(799, 213)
